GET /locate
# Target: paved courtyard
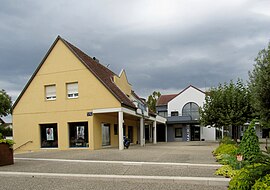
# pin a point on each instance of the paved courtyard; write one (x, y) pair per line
(177, 165)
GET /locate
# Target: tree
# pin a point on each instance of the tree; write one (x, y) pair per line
(152, 100)
(5, 103)
(259, 84)
(250, 146)
(227, 105)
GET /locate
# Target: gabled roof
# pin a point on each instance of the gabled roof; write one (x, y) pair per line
(165, 99)
(102, 73)
(191, 86)
(135, 95)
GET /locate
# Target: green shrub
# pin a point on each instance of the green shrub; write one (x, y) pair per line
(226, 159)
(246, 177)
(226, 149)
(226, 171)
(262, 184)
(7, 141)
(227, 140)
(6, 131)
(249, 146)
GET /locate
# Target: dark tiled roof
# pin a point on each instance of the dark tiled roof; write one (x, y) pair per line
(164, 99)
(101, 72)
(135, 95)
(104, 74)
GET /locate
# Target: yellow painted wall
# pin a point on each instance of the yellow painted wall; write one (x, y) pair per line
(60, 67)
(105, 118)
(123, 83)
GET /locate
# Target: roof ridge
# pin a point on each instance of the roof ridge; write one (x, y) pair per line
(78, 49)
(104, 74)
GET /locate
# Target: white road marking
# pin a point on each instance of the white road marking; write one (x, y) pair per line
(172, 178)
(120, 162)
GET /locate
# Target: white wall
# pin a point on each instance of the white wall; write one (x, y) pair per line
(208, 134)
(189, 95)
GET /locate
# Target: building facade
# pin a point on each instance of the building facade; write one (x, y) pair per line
(73, 101)
(182, 113)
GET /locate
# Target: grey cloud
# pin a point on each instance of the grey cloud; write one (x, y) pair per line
(196, 43)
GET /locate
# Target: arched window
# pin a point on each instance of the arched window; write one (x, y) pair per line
(191, 109)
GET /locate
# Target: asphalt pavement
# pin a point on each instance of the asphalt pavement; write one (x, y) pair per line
(178, 165)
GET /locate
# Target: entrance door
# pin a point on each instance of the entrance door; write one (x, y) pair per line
(130, 133)
(195, 133)
(106, 141)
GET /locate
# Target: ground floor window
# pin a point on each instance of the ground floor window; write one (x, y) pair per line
(178, 133)
(106, 137)
(49, 135)
(78, 134)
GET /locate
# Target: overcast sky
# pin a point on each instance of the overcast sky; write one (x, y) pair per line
(163, 45)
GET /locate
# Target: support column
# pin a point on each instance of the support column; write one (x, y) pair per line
(142, 140)
(151, 133)
(120, 129)
(166, 133)
(155, 132)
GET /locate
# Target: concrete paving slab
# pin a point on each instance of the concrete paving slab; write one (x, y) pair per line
(45, 183)
(178, 165)
(178, 152)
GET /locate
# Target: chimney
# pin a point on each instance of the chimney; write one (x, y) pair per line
(96, 59)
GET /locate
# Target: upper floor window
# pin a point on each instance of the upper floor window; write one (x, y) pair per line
(163, 113)
(174, 113)
(50, 92)
(191, 109)
(72, 90)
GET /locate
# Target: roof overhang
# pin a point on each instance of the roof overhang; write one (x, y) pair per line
(157, 118)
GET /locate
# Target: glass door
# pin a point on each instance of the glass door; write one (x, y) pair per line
(106, 141)
(195, 133)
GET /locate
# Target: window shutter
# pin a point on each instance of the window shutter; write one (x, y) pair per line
(72, 90)
(50, 92)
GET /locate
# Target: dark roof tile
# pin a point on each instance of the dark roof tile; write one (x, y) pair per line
(164, 99)
(104, 74)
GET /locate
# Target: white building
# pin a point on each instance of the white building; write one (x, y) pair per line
(182, 113)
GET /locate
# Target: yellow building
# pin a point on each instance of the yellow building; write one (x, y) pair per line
(73, 101)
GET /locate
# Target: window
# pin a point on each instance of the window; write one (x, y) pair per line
(163, 113)
(191, 109)
(174, 113)
(178, 132)
(72, 90)
(50, 92)
(49, 136)
(78, 134)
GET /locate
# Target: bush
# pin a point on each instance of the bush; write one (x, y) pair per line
(262, 183)
(226, 159)
(227, 140)
(230, 149)
(249, 146)
(6, 131)
(226, 171)
(7, 141)
(246, 177)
